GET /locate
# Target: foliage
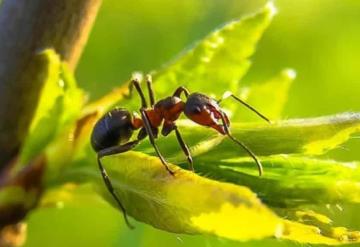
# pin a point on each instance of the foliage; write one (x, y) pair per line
(228, 200)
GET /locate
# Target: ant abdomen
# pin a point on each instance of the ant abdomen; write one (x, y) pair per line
(114, 128)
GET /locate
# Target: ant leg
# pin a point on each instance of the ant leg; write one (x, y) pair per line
(185, 148)
(251, 154)
(109, 186)
(180, 90)
(150, 89)
(152, 139)
(229, 94)
(168, 127)
(135, 83)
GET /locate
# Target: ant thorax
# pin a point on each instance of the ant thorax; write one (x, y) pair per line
(169, 108)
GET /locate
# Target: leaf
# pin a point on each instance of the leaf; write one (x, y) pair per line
(268, 97)
(186, 203)
(59, 105)
(51, 87)
(103, 104)
(73, 97)
(44, 125)
(61, 147)
(291, 181)
(310, 136)
(324, 234)
(218, 61)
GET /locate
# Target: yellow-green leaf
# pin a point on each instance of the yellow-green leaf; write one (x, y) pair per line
(59, 105)
(324, 234)
(186, 202)
(311, 136)
(291, 181)
(218, 61)
(44, 125)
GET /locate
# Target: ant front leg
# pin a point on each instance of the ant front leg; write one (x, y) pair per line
(150, 133)
(230, 94)
(135, 83)
(167, 128)
(180, 90)
(110, 151)
(150, 89)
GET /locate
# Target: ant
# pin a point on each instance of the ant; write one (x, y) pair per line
(112, 132)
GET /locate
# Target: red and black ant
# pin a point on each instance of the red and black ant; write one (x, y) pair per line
(112, 132)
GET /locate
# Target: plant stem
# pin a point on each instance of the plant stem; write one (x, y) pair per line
(26, 27)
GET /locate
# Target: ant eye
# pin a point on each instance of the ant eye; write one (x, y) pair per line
(196, 110)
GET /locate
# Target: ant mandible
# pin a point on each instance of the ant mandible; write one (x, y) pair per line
(112, 132)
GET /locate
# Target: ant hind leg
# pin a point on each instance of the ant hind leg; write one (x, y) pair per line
(109, 186)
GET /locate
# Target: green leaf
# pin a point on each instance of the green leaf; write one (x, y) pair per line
(218, 61)
(318, 232)
(188, 203)
(44, 123)
(291, 181)
(268, 97)
(73, 97)
(185, 203)
(311, 136)
(59, 105)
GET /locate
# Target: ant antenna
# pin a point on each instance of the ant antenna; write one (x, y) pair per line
(250, 153)
(230, 94)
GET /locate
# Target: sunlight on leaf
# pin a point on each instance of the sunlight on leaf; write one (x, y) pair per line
(60, 104)
(312, 136)
(186, 203)
(218, 61)
(52, 87)
(44, 123)
(328, 235)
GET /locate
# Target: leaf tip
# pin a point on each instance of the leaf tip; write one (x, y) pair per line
(271, 9)
(48, 54)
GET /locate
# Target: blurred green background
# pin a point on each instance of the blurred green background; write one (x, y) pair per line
(319, 39)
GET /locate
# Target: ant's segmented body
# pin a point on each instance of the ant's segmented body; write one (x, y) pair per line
(112, 132)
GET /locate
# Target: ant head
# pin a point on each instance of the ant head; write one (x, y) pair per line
(205, 111)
